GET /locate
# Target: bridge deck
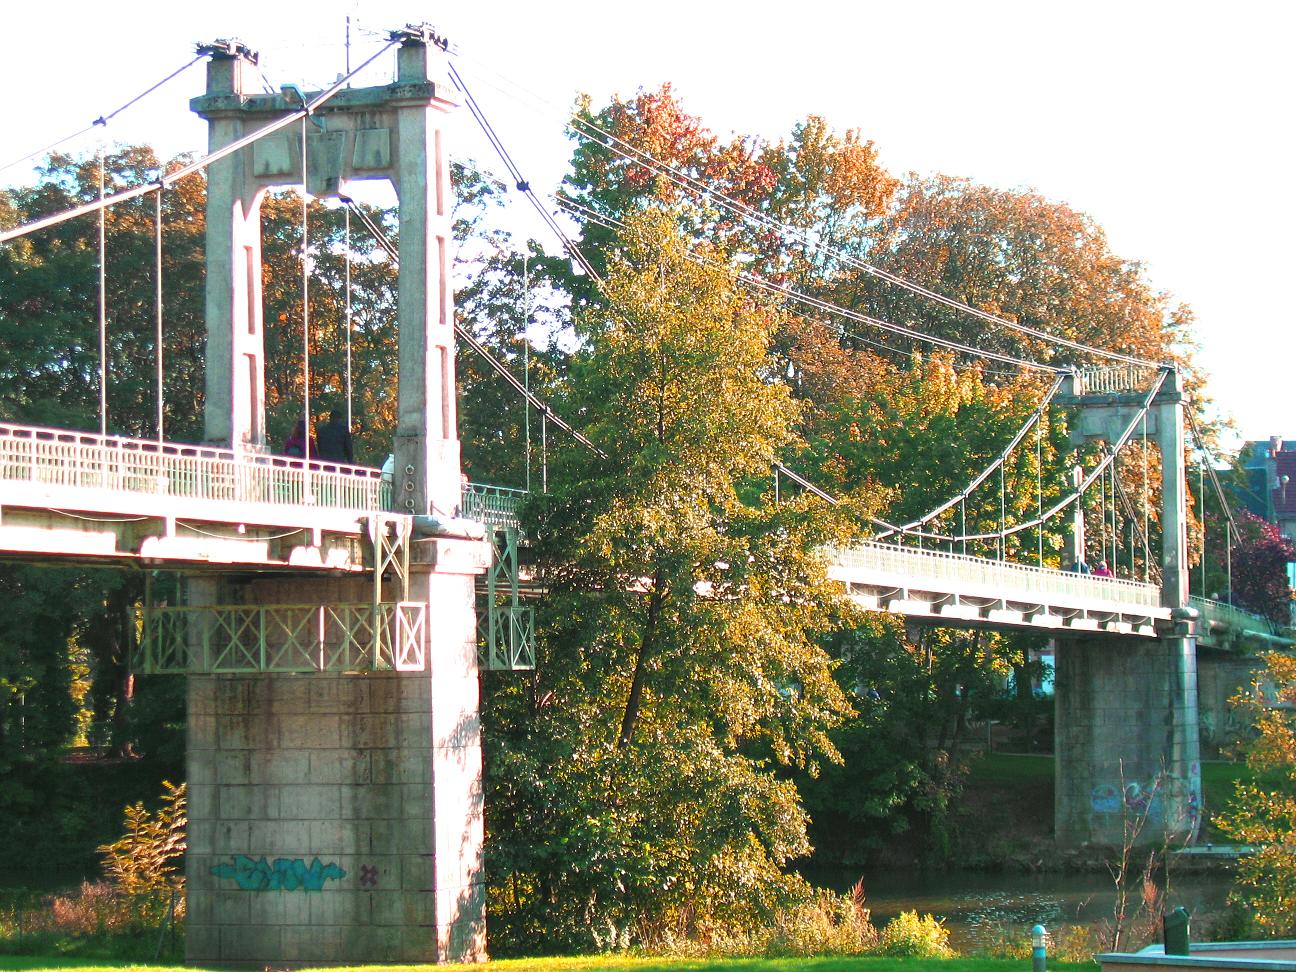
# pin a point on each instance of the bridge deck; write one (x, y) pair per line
(82, 496)
(953, 588)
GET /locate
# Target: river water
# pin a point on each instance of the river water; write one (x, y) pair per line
(980, 908)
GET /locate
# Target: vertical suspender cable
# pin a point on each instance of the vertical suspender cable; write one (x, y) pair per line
(1003, 516)
(306, 400)
(1039, 490)
(1228, 559)
(526, 362)
(544, 452)
(1131, 543)
(157, 300)
(1146, 552)
(347, 216)
(1201, 491)
(1102, 518)
(103, 307)
(1112, 560)
(963, 522)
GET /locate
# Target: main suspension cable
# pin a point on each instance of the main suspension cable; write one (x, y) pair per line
(755, 281)
(103, 120)
(998, 462)
(167, 179)
(1092, 476)
(759, 283)
(586, 129)
(697, 187)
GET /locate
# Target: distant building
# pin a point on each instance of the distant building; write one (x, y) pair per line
(1270, 490)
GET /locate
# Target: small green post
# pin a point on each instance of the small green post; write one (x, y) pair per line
(1175, 929)
(1038, 952)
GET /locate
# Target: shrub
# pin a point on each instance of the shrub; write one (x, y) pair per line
(827, 924)
(147, 858)
(910, 935)
(1075, 943)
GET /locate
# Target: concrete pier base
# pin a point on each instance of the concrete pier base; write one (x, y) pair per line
(1126, 740)
(337, 817)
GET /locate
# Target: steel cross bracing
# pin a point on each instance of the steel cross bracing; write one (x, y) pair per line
(231, 638)
(506, 626)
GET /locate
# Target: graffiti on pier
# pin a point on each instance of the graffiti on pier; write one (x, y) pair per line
(1152, 799)
(283, 874)
(368, 876)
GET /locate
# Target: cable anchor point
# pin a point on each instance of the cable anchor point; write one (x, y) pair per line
(227, 47)
(420, 34)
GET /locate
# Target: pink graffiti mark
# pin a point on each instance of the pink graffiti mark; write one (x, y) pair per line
(368, 876)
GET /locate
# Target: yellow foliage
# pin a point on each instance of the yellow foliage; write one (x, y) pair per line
(147, 857)
(1263, 813)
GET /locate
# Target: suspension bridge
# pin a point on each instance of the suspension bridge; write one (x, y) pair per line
(332, 619)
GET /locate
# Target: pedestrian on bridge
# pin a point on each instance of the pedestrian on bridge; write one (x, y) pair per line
(1102, 570)
(335, 439)
(297, 445)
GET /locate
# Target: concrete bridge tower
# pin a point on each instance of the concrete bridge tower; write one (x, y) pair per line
(1127, 724)
(336, 816)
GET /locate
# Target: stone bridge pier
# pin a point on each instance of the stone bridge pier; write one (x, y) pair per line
(1127, 727)
(336, 817)
(1126, 740)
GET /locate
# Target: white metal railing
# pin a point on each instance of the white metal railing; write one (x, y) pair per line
(116, 464)
(948, 571)
(1116, 379)
(284, 638)
(1232, 617)
(493, 505)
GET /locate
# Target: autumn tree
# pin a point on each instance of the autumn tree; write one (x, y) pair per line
(1025, 258)
(1262, 811)
(633, 781)
(49, 298)
(1259, 567)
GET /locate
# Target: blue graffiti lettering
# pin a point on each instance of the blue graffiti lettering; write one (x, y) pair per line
(283, 875)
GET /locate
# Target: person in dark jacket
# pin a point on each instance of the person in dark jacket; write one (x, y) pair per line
(335, 439)
(296, 444)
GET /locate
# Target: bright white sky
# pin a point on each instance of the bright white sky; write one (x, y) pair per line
(1168, 122)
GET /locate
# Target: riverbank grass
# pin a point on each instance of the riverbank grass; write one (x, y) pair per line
(865, 963)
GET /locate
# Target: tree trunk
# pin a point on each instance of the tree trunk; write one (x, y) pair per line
(646, 644)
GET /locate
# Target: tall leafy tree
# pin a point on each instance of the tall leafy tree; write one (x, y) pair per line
(1262, 812)
(633, 780)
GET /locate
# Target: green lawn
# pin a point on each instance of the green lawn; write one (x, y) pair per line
(1218, 780)
(1004, 768)
(620, 964)
(1008, 768)
(1014, 770)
